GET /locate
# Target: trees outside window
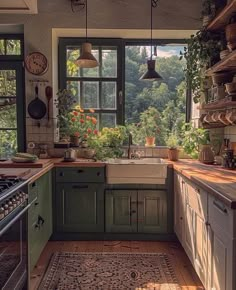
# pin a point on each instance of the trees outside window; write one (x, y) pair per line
(11, 95)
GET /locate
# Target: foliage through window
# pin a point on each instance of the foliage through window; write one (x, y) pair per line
(96, 88)
(11, 97)
(114, 90)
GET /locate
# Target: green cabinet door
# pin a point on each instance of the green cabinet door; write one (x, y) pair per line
(39, 217)
(152, 211)
(121, 211)
(80, 207)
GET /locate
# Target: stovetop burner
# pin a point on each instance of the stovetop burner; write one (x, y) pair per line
(6, 183)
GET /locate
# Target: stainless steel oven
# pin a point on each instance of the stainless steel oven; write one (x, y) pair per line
(13, 238)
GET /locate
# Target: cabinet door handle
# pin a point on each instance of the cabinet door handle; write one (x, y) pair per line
(80, 186)
(221, 207)
(80, 171)
(33, 184)
(61, 173)
(132, 211)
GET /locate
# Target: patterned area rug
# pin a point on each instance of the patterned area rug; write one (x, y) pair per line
(109, 271)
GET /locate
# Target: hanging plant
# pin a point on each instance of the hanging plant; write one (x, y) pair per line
(201, 52)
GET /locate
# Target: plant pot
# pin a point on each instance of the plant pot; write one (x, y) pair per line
(206, 155)
(173, 154)
(150, 141)
(87, 153)
(75, 141)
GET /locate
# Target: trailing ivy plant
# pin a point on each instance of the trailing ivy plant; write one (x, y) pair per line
(201, 52)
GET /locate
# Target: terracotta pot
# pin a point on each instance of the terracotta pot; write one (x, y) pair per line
(206, 155)
(75, 141)
(173, 154)
(150, 141)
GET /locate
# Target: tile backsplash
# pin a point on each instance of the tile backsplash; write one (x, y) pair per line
(230, 133)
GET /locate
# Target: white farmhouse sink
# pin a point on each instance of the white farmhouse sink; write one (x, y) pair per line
(138, 171)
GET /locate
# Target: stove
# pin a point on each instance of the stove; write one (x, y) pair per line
(13, 232)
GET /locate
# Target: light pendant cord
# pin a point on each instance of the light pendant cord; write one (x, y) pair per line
(153, 5)
(86, 23)
(151, 27)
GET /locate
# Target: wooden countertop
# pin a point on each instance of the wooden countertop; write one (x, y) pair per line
(214, 179)
(218, 181)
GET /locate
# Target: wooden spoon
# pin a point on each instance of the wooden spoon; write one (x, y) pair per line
(48, 93)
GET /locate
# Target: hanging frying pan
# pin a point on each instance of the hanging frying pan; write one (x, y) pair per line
(37, 108)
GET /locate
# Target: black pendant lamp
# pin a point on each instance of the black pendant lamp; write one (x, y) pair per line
(151, 74)
(86, 59)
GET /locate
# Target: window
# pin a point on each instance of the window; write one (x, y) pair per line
(114, 90)
(11, 95)
(167, 96)
(98, 88)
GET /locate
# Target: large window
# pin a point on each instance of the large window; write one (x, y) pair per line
(114, 90)
(11, 95)
(98, 88)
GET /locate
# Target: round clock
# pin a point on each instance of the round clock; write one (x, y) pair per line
(36, 63)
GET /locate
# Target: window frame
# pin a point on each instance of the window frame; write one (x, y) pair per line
(115, 42)
(14, 62)
(121, 43)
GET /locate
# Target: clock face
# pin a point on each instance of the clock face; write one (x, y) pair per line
(36, 63)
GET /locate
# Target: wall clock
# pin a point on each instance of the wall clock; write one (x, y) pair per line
(36, 63)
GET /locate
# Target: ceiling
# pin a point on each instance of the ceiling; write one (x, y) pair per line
(18, 6)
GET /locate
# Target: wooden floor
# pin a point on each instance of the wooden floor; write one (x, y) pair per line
(183, 268)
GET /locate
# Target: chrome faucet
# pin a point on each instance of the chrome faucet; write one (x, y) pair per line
(129, 145)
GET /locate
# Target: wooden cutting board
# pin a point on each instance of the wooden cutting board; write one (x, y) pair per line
(38, 164)
(14, 172)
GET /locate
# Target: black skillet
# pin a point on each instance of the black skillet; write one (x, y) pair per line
(37, 108)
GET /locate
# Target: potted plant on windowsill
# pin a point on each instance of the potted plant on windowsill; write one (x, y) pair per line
(149, 125)
(173, 151)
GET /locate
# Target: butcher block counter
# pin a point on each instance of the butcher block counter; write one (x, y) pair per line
(214, 179)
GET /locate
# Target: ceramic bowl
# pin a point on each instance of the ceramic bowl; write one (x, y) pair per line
(223, 119)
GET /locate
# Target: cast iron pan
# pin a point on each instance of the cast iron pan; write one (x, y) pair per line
(37, 108)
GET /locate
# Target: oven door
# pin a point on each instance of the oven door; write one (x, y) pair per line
(13, 250)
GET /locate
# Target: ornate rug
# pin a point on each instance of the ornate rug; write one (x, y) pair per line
(109, 271)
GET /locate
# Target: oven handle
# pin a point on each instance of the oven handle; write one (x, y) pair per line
(16, 218)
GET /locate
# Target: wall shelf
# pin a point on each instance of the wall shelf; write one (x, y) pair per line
(220, 105)
(223, 17)
(228, 63)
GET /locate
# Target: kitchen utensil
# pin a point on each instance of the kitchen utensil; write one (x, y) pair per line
(48, 93)
(37, 108)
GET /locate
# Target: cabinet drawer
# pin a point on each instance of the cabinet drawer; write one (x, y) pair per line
(196, 198)
(220, 215)
(80, 174)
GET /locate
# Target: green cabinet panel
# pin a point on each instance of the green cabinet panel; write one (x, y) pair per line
(39, 217)
(80, 207)
(121, 211)
(136, 211)
(152, 211)
(80, 174)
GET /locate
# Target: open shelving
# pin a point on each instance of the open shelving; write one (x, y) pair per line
(223, 17)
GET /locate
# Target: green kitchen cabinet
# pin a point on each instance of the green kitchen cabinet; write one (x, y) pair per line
(79, 207)
(39, 216)
(121, 211)
(136, 211)
(152, 211)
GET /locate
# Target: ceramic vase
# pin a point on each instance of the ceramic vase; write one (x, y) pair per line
(75, 141)
(173, 154)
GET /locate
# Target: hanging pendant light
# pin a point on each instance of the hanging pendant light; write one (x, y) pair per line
(86, 59)
(151, 74)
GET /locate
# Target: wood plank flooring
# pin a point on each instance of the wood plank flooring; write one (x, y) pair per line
(183, 268)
